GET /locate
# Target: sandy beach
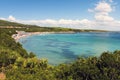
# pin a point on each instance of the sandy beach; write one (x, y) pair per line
(22, 34)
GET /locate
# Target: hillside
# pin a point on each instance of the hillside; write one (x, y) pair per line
(35, 28)
(7, 23)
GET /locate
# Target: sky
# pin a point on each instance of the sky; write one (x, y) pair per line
(79, 14)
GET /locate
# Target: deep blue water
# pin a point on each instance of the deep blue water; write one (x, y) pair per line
(63, 48)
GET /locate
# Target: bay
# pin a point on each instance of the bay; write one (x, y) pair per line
(66, 47)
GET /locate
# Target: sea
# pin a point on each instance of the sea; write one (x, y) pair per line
(61, 48)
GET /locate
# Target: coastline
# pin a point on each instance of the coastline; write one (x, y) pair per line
(22, 34)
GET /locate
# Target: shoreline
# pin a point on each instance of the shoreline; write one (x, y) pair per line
(22, 34)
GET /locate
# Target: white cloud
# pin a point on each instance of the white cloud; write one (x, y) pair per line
(11, 18)
(60, 22)
(102, 19)
(102, 11)
(103, 7)
(2, 18)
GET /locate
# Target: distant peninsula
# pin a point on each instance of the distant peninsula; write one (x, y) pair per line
(35, 28)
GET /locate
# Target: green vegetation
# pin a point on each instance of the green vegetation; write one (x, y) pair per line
(7, 23)
(17, 64)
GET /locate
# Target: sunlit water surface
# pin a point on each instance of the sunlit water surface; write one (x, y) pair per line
(64, 48)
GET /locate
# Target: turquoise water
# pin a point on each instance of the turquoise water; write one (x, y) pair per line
(64, 48)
